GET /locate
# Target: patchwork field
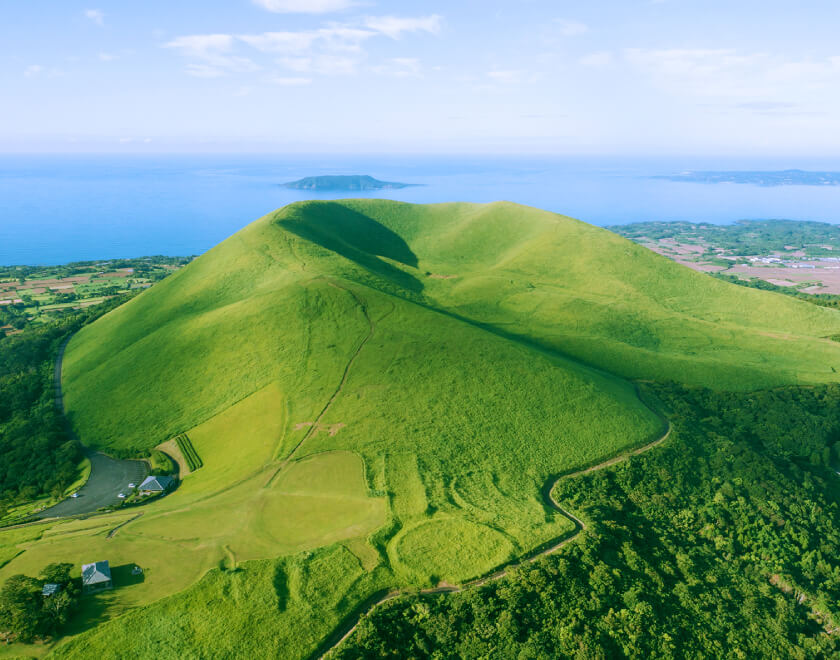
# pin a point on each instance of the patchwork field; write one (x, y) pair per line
(379, 394)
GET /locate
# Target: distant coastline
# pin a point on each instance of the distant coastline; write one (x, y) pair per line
(758, 178)
(344, 182)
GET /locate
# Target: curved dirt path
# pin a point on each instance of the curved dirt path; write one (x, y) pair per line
(108, 476)
(349, 626)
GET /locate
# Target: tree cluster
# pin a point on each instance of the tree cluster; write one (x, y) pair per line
(722, 542)
(38, 453)
(27, 614)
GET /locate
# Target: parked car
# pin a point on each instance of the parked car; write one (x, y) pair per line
(132, 485)
(121, 496)
(74, 494)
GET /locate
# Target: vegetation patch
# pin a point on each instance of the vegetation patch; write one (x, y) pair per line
(450, 550)
(721, 543)
(160, 463)
(188, 452)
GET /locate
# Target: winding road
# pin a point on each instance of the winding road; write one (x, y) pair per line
(351, 623)
(108, 476)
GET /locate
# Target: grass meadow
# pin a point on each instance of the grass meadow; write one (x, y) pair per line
(378, 393)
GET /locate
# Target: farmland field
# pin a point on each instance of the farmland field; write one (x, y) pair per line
(379, 394)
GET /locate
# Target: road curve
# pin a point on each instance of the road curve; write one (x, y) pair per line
(108, 476)
(346, 629)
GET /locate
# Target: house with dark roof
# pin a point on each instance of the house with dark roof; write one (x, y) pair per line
(96, 577)
(50, 589)
(153, 484)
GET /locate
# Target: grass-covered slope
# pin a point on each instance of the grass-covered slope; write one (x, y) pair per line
(395, 382)
(260, 308)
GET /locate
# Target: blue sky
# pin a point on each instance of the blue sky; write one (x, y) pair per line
(532, 76)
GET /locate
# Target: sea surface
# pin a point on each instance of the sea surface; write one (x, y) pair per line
(57, 209)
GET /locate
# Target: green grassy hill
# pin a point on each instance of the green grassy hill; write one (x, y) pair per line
(379, 392)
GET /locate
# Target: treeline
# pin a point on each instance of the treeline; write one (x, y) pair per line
(744, 237)
(26, 613)
(723, 542)
(38, 455)
(85, 267)
(821, 299)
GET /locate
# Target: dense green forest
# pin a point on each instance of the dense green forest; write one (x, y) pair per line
(744, 237)
(725, 541)
(38, 456)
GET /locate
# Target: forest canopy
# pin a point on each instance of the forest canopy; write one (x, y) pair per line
(722, 542)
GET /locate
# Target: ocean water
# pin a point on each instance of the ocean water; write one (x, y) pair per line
(55, 209)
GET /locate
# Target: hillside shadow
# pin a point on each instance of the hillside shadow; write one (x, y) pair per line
(357, 238)
(281, 588)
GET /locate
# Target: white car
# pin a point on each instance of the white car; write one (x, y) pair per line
(121, 496)
(74, 494)
(132, 485)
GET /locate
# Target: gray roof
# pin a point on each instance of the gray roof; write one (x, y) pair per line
(156, 483)
(96, 573)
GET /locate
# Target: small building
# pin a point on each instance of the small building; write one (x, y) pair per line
(50, 589)
(153, 484)
(96, 577)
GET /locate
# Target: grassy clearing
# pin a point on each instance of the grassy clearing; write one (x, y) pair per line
(363, 425)
(319, 500)
(272, 608)
(448, 549)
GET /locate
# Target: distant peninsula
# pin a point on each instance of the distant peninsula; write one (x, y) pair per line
(351, 182)
(767, 179)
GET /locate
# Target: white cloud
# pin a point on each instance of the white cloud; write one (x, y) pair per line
(32, 70)
(95, 15)
(727, 74)
(336, 37)
(279, 42)
(394, 26)
(336, 49)
(213, 55)
(329, 65)
(294, 81)
(304, 6)
(600, 60)
(400, 67)
(568, 28)
(199, 45)
(204, 71)
(107, 57)
(507, 76)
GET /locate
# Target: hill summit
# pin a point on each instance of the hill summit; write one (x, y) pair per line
(285, 294)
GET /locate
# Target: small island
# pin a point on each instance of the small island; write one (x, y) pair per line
(344, 182)
(765, 179)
